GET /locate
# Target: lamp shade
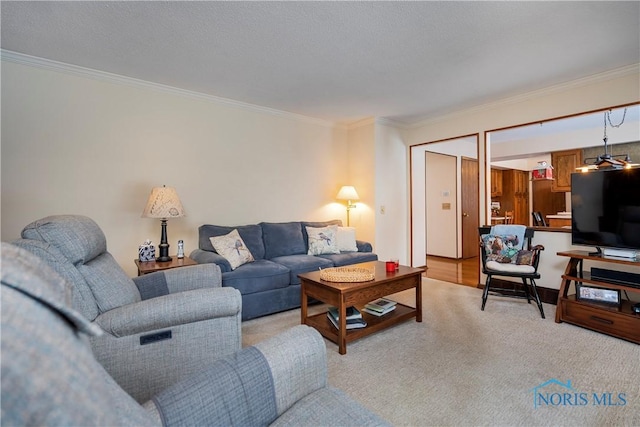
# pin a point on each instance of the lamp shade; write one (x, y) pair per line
(163, 203)
(347, 192)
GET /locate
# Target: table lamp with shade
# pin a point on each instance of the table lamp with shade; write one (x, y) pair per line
(163, 203)
(348, 193)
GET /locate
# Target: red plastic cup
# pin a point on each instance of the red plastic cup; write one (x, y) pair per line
(391, 266)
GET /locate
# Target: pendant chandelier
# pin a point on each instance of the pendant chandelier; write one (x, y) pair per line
(607, 160)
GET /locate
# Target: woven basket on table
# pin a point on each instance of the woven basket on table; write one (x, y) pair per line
(347, 274)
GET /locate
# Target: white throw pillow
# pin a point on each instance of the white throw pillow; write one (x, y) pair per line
(323, 240)
(347, 239)
(232, 247)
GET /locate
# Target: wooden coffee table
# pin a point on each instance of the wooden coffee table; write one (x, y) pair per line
(343, 295)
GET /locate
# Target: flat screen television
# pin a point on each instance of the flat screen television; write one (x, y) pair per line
(605, 209)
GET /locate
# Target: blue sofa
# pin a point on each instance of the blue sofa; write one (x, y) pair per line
(270, 283)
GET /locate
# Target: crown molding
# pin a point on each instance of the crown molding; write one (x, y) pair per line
(374, 120)
(360, 123)
(75, 70)
(78, 71)
(596, 78)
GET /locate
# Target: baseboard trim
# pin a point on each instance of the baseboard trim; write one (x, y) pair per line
(547, 295)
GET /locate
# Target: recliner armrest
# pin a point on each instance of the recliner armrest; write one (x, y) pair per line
(297, 363)
(193, 277)
(176, 280)
(170, 310)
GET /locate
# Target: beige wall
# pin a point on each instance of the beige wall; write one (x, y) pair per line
(391, 184)
(77, 143)
(73, 144)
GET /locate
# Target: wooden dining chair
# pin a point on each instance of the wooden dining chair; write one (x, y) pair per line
(538, 219)
(508, 217)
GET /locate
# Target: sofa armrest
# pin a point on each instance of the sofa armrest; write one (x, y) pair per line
(298, 362)
(171, 310)
(206, 257)
(364, 246)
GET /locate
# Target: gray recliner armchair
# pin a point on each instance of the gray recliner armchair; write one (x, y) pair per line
(158, 328)
(51, 378)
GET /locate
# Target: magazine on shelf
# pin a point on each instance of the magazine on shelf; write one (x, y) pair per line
(351, 323)
(380, 305)
(352, 313)
(379, 313)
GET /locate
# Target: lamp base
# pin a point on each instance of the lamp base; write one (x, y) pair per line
(163, 247)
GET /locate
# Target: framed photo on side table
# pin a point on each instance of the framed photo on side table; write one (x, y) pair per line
(598, 295)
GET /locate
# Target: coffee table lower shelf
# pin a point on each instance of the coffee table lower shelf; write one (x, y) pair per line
(402, 313)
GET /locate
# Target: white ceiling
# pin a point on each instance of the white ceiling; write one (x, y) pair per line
(337, 61)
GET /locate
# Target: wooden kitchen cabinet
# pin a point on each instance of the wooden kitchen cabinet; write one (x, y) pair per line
(564, 164)
(496, 182)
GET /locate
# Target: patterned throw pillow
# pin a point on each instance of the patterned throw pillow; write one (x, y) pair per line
(323, 240)
(501, 249)
(525, 257)
(232, 247)
(347, 239)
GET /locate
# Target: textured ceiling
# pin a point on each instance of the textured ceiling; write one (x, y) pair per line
(338, 61)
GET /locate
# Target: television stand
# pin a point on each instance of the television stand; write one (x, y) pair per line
(620, 322)
(598, 252)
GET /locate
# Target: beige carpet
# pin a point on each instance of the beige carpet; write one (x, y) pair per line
(462, 366)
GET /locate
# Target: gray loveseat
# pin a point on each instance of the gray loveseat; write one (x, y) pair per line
(51, 378)
(270, 284)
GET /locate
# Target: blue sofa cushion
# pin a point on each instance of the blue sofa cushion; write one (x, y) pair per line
(302, 264)
(282, 238)
(316, 224)
(251, 235)
(348, 258)
(258, 276)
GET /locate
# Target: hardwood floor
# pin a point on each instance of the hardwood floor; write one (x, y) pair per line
(460, 271)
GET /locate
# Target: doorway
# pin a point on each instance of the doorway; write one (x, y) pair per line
(461, 147)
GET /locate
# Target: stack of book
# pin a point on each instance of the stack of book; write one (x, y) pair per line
(380, 307)
(354, 318)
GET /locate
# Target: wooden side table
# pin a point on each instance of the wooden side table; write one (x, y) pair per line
(146, 267)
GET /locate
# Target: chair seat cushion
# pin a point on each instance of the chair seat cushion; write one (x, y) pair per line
(510, 268)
